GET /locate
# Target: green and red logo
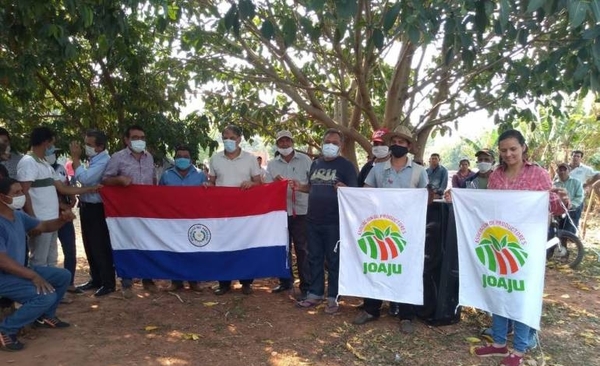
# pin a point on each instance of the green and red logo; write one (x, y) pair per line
(381, 237)
(500, 247)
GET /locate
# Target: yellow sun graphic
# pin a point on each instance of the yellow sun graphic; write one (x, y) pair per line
(499, 232)
(381, 224)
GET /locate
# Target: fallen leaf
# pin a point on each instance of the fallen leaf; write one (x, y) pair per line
(473, 339)
(355, 352)
(210, 303)
(191, 336)
(150, 328)
(565, 296)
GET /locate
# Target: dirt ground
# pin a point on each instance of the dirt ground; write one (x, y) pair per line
(189, 328)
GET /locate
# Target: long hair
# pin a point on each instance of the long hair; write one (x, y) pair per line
(519, 137)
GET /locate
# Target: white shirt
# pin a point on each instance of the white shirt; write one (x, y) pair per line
(44, 199)
(232, 172)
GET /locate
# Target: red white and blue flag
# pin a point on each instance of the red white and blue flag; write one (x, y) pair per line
(198, 233)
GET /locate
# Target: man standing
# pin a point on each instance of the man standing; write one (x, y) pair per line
(485, 163)
(132, 165)
(184, 173)
(380, 151)
(438, 175)
(292, 165)
(9, 157)
(39, 289)
(580, 171)
(399, 172)
(575, 190)
(94, 231)
(326, 174)
(233, 167)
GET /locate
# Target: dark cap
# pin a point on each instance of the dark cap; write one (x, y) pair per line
(486, 151)
(565, 165)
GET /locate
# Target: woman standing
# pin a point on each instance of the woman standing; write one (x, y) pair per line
(460, 177)
(516, 173)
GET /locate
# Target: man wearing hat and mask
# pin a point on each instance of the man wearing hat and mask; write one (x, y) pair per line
(292, 165)
(398, 172)
(575, 190)
(380, 153)
(485, 163)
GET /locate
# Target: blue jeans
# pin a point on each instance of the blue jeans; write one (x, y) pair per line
(523, 333)
(322, 240)
(66, 235)
(34, 305)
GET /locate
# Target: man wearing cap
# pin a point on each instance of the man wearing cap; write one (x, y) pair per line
(485, 163)
(438, 175)
(575, 190)
(233, 167)
(459, 179)
(293, 165)
(380, 152)
(398, 172)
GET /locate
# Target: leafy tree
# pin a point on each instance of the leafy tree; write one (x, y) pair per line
(313, 64)
(97, 64)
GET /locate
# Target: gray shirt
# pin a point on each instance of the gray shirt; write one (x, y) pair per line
(385, 176)
(297, 169)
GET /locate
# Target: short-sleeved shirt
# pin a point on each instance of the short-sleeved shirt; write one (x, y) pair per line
(124, 163)
(232, 172)
(297, 169)
(582, 173)
(12, 163)
(322, 197)
(385, 176)
(574, 189)
(92, 175)
(43, 194)
(172, 177)
(12, 236)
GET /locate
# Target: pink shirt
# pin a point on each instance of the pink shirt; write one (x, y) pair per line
(530, 178)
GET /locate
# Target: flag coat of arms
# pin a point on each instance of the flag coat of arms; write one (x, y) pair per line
(198, 233)
(502, 251)
(382, 243)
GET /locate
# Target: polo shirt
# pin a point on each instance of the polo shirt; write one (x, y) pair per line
(385, 176)
(297, 169)
(12, 236)
(124, 163)
(172, 177)
(43, 194)
(232, 172)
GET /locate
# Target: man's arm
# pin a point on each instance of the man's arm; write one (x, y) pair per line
(443, 183)
(66, 190)
(28, 208)
(254, 181)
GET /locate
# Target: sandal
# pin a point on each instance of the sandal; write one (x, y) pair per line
(332, 309)
(308, 303)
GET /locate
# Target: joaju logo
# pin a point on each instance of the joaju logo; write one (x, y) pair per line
(500, 250)
(381, 239)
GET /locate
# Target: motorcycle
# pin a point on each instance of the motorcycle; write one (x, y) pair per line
(563, 247)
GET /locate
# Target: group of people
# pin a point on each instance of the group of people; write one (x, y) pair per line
(31, 183)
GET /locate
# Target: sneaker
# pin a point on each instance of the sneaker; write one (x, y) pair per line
(127, 292)
(47, 322)
(9, 342)
(489, 351)
(407, 326)
(363, 318)
(512, 360)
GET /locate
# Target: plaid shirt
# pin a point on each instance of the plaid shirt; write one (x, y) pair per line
(530, 178)
(124, 163)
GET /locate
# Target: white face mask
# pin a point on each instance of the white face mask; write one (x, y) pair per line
(285, 152)
(51, 159)
(17, 202)
(330, 150)
(90, 152)
(484, 167)
(229, 145)
(381, 152)
(138, 146)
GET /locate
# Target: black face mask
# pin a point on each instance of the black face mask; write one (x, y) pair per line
(398, 151)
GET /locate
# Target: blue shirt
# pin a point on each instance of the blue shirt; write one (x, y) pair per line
(172, 177)
(92, 176)
(12, 236)
(438, 178)
(322, 197)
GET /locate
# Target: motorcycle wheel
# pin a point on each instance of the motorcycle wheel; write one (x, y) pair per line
(570, 252)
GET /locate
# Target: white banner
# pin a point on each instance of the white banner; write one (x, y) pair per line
(502, 251)
(382, 242)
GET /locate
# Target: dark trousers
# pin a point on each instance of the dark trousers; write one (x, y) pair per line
(298, 236)
(96, 242)
(406, 311)
(66, 235)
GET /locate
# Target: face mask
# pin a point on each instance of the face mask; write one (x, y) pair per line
(17, 202)
(285, 152)
(398, 151)
(330, 150)
(380, 152)
(51, 159)
(230, 145)
(138, 146)
(182, 163)
(90, 152)
(50, 150)
(484, 167)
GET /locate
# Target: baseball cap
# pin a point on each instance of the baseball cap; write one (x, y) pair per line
(565, 165)
(486, 151)
(401, 131)
(284, 133)
(464, 159)
(379, 134)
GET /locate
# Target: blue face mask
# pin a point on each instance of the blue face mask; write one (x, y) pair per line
(230, 145)
(182, 163)
(50, 150)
